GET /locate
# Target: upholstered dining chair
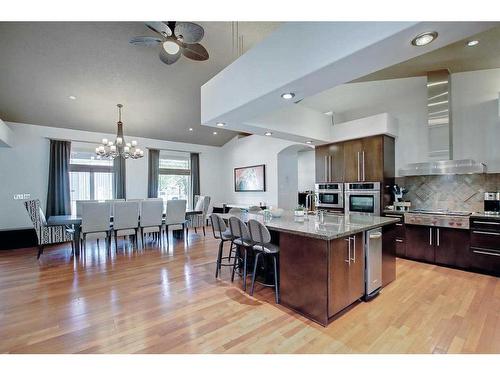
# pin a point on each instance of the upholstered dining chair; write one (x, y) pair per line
(176, 214)
(126, 220)
(201, 203)
(46, 235)
(151, 218)
(95, 222)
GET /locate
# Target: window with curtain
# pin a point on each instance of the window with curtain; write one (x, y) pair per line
(174, 180)
(90, 178)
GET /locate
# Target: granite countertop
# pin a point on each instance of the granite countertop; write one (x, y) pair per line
(334, 225)
(394, 212)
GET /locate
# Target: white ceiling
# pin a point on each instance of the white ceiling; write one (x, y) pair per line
(43, 63)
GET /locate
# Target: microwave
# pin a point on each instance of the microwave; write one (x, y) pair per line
(362, 198)
(329, 195)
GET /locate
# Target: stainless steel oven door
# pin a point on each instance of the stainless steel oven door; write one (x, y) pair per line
(329, 199)
(362, 202)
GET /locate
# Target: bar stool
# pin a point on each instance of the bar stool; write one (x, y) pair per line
(221, 232)
(241, 238)
(263, 248)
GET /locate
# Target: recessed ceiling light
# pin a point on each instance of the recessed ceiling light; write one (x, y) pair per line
(72, 97)
(329, 113)
(424, 38)
(287, 95)
(215, 133)
(220, 124)
(268, 134)
(309, 142)
(190, 129)
(472, 43)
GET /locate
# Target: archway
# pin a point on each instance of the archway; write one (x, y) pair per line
(288, 180)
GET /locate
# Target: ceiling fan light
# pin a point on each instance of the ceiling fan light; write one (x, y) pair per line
(171, 47)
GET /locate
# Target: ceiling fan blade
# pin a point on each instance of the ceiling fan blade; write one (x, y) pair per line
(160, 28)
(195, 52)
(168, 58)
(148, 41)
(189, 32)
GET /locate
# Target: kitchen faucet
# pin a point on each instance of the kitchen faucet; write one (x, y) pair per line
(311, 200)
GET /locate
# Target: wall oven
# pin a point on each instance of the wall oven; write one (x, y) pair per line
(362, 198)
(329, 195)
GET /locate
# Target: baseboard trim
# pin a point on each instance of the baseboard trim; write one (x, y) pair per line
(17, 238)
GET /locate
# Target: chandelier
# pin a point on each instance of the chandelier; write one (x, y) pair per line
(111, 150)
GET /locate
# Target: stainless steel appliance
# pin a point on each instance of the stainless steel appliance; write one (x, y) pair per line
(362, 198)
(436, 218)
(329, 195)
(492, 203)
(373, 264)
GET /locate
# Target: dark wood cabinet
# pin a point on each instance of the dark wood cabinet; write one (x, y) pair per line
(364, 159)
(352, 160)
(420, 243)
(452, 247)
(347, 280)
(330, 163)
(484, 251)
(372, 159)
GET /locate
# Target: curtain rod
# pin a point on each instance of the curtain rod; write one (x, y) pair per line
(97, 142)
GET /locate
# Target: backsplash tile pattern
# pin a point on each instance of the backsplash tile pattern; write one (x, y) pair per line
(454, 192)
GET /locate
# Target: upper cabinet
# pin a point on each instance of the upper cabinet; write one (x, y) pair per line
(365, 159)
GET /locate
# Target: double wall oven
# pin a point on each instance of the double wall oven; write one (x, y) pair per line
(362, 198)
(329, 195)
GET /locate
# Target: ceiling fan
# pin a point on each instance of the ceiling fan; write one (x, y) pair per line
(175, 38)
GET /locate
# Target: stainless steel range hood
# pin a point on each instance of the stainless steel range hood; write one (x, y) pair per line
(440, 132)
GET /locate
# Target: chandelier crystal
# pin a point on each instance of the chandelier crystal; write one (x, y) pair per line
(111, 150)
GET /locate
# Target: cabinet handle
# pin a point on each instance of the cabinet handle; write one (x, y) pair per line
(348, 260)
(490, 233)
(330, 168)
(359, 174)
(326, 168)
(399, 224)
(354, 248)
(363, 165)
(430, 236)
(437, 236)
(486, 253)
(398, 240)
(486, 222)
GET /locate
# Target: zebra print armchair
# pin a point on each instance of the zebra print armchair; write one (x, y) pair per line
(46, 235)
(201, 203)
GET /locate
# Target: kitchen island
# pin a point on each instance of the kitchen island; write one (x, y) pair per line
(322, 262)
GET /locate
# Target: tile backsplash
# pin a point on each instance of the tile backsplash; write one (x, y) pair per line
(463, 192)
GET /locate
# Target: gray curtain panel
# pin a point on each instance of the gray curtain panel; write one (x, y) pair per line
(58, 196)
(195, 175)
(153, 172)
(119, 184)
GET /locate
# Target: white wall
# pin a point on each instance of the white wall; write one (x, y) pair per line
(24, 168)
(306, 169)
(475, 117)
(246, 151)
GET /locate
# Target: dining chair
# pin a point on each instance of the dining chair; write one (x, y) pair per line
(46, 235)
(262, 246)
(176, 214)
(95, 222)
(151, 218)
(111, 203)
(243, 241)
(126, 220)
(201, 203)
(78, 205)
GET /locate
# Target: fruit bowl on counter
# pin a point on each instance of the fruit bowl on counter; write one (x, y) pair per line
(276, 212)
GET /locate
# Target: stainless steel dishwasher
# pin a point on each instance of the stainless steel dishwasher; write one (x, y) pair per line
(373, 264)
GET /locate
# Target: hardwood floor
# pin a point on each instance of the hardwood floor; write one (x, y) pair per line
(159, 301)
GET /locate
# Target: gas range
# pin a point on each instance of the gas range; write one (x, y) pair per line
(438, 218)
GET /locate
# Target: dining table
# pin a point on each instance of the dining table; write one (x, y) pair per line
(75, 222)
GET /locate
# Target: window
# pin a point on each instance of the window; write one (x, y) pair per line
(90, 178)
(175, 176)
